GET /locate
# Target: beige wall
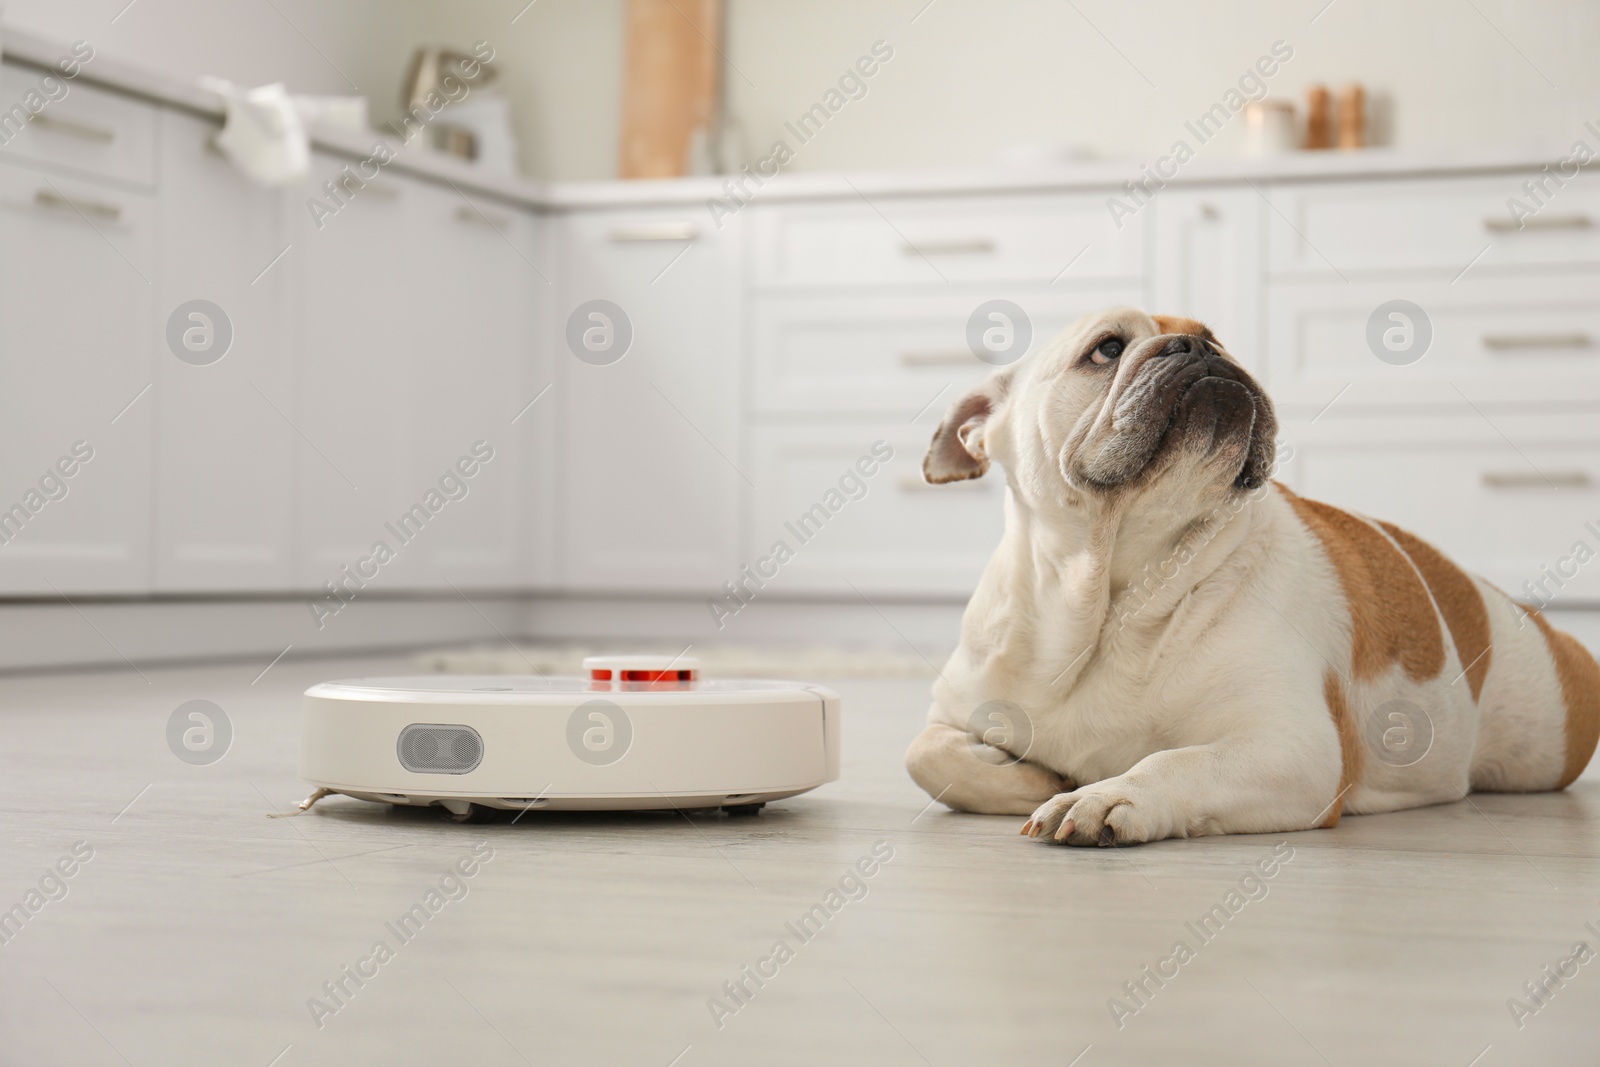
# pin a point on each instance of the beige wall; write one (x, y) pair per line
(967, 77)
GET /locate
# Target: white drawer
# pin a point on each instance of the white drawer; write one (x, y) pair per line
(901, 537)
(922, 241)
(890, 354)
(1480, 497)
(1522, 340)
(88, 130)
(1438, 225)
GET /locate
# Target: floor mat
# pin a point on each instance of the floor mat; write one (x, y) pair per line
(724, 661)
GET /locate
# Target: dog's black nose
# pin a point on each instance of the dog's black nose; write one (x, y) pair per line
(1186, 344)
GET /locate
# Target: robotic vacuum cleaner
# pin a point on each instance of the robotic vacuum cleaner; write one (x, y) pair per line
(639, 732)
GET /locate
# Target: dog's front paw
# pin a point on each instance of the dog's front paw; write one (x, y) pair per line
(1106, 813)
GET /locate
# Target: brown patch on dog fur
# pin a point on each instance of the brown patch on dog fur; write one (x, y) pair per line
(1179, 324)
(1352, 756)
(1580, 688)
(1391, 615)
(1458, 600)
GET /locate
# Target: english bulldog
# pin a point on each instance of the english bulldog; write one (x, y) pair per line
(1167, 643)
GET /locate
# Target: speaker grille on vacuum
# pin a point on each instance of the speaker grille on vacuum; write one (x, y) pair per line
(432, 748)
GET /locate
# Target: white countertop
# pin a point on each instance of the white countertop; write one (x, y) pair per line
(1108, 175)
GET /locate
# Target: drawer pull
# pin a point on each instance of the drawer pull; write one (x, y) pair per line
(976, 247)
(475, 217)
(655, 231)
(80, 130)
(1501, 341)
(56, 202)
(913, 483)
(1539, 222)
(1536, 480)
(953, 357)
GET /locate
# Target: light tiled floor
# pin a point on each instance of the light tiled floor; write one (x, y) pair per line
(200, 929)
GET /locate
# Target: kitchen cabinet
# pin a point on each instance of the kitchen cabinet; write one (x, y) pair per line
(477, 367)
(1014, 240)
(86, 132)
(652, 472)
(1209, 261)
(355, 409)
(851, 533)
(76, 306)
(1516, 501)
(1438, 226)
(1493, 341)
(839, 359)
(415, 354)
(662, 394)
(828, 357)
(224, 381)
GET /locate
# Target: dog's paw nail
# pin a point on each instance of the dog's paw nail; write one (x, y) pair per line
(1027, 829)
(1108, 836)
(1065, 831)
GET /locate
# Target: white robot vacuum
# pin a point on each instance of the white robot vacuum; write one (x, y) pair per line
(640, 732)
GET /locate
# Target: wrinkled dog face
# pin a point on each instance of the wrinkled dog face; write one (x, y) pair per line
(1112, 405)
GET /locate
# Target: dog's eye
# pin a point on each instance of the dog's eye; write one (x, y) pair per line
(1108, 350)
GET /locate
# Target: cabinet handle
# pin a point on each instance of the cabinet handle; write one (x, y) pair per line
(56, 202)
(475, 217)
(1500, 341)
(378, 189)
(1536, 480)
(72, 128)
(655, 231)
(945, 358)
(974, 247)
(913, 483)
(1539, 222)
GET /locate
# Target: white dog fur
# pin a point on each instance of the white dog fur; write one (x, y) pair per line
(1169, 644)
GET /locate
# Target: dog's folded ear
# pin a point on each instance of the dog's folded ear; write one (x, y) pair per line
(959, 451)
